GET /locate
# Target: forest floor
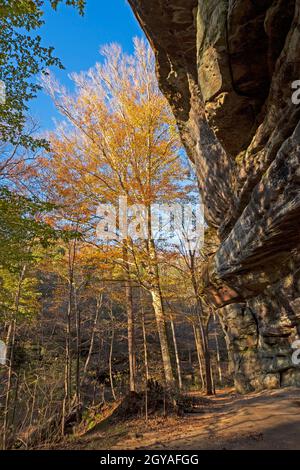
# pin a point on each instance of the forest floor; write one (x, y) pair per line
(266, 420)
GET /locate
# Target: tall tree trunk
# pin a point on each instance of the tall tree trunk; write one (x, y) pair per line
(145, 355)
(218, 350)
(11, 336)
(78, 354)
(203, 332)
(206, 353)
(162, 332)
(110, 364)
(176, 353)
(147, 376)
(199, 352)
(68, 355)
(14, 407)
(33, 401)
(68, 369)
(158, 306)
(10, 353)
(130, 322)
(111, 352)
(88, 359)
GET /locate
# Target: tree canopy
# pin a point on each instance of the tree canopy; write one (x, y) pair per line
(22, 57)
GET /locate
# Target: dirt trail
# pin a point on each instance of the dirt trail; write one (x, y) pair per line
(257, 421)
(266, 420)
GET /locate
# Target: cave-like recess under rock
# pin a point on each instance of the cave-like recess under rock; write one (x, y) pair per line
(227, 68)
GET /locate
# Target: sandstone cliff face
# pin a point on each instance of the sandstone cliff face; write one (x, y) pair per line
(227, 68)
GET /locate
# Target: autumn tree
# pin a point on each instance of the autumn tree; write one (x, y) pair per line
(120, 141)
(22, 57)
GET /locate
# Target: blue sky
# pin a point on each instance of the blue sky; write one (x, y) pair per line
(77, 41)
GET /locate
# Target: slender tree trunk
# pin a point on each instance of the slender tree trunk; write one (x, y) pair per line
(15, 406)
(145, 342)
(145, 355)
(9, 382)
(110, 363)
(11, 336)
(88, 359)
(131, 338)
(110, 360)
(103, 393)
(68, 353)
(78, 354)
(176, 353)
(199, 353)
(162, 332)
(130, 323)
(33, 402)
(157, 303)
(203, 333)
(206, 353)
(218, 350)
(68, 369)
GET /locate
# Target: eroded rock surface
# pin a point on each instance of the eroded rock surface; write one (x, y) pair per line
(227, 68)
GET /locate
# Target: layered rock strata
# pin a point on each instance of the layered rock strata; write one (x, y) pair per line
(228, 69)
